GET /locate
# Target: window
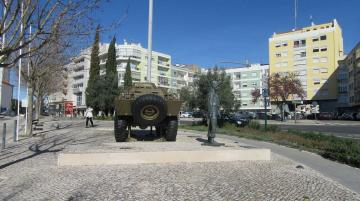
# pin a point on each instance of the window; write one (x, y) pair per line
(277, 45)
(315, 39)
(284, 44)
(316, 81)
(254, 84)
(323, 70)
(323, 59)
(316, 70)
(299, 43)
(244, 85)
(315, 49)
(79, 99)
(323, 37)
(302, 54)
(316, 60)
(284, 54)
(253, 74)
(284, 64)
(278, 55)
(324, 49)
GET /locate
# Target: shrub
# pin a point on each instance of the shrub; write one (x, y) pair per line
(272, 128)
(254, 124)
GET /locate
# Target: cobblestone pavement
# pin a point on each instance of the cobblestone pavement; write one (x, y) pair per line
(28, 171)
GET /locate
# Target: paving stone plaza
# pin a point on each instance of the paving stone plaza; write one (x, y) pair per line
(29, 171)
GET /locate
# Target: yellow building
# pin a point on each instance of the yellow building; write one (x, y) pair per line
(312, 53)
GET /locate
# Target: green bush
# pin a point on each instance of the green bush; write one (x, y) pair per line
(254, 124)
(272, 128)
(343, 150)
(104, 117)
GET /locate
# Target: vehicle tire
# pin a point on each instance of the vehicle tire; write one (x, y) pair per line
(120, 130)
(149, 110)
(171, 130)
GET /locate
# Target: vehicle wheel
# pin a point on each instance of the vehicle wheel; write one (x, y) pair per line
(171, 130)
(149, 109)
(120, 130)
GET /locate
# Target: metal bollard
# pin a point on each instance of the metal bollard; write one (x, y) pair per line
(14, 136)
(4, 136)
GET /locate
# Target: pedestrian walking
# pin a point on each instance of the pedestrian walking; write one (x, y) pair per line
(89, 116)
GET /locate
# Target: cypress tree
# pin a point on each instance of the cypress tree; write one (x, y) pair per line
(127, 76)
(111, 89)
(94, 75)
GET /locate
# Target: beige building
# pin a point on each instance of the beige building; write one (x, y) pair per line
(312, 53)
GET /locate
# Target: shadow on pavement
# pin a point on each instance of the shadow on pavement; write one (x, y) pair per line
(144, 135)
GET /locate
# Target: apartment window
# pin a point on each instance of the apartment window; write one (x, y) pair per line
(254, 84)
(277, 45)
(315, 49)
(284, 44)
(253, 74)
(302, 54)
(284, 64)
(316, 60)
(278, 55)
(316, 80)
(324, 49)
(79, 99)
(315, 39)
(323, 59)
(324, 92)
(244, 85)
(316, 70)
(299, 43)
(323, 70)
(323, 37)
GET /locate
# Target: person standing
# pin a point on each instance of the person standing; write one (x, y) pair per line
(89, 116)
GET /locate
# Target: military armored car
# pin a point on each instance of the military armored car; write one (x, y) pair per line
(146, 105)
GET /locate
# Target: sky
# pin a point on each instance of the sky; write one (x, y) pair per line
(206, 32)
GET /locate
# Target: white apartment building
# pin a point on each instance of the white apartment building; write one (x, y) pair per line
(163, 73)
(244, 80)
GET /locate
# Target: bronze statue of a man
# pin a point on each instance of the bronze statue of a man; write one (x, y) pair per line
(213, 111)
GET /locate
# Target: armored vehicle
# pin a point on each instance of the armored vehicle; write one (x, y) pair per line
(145, 105)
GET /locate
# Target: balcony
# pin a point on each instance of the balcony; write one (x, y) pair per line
(77, 90)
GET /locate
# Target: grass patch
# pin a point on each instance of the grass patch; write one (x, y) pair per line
(339, 149)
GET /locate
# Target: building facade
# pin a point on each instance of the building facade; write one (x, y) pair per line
(349, 81)
(6, 90)
(312, 53)
(163, 74)
(245, 80)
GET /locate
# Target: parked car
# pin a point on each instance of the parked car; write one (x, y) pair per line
(186, 115)
(325, 116)
(346, 116)
(239, 120)
(199, 114)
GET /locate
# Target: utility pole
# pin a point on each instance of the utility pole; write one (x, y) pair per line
(150, 40)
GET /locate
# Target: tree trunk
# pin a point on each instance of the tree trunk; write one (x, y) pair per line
(30, 112)
(37, 108)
